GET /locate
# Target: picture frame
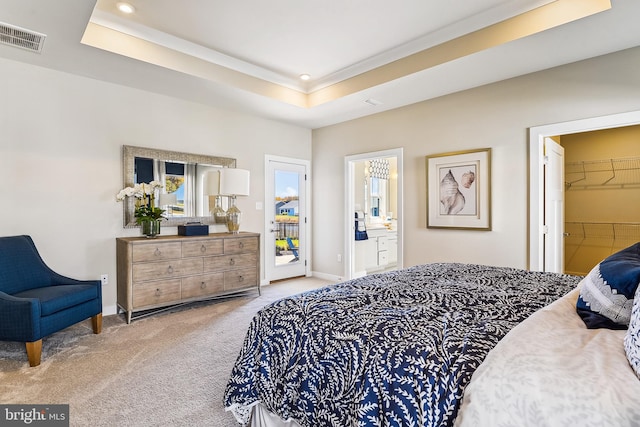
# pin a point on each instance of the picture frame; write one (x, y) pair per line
(459, 190)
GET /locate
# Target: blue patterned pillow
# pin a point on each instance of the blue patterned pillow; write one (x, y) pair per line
(632, 338)
(606, 296)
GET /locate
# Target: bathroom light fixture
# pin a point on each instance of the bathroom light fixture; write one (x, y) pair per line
(125, 7)
(305, 77)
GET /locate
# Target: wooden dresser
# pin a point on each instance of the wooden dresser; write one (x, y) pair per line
(168, 270)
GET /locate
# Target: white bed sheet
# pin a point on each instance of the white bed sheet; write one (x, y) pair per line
(551, 370)
(262, 417)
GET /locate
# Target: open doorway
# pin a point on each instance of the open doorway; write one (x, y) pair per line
(374, 208)
(540, 252)
(602, 195)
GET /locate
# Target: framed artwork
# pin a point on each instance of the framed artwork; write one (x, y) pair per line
(459, 190)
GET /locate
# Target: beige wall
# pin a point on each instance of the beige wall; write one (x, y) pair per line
(60, 160)
(60, 165)
(496, 116)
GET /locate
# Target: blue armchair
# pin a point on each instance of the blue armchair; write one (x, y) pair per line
(36, 302)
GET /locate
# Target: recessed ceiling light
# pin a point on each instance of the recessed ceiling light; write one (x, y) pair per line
(125, 7)
(305, 77)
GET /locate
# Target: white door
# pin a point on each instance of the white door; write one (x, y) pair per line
(286, 218)
(553, 206)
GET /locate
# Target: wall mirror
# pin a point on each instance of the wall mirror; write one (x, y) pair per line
(186, 196)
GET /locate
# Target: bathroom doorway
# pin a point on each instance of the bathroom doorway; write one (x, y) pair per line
(373, 201)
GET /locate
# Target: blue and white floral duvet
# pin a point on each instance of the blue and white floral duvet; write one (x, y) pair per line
(391, 349)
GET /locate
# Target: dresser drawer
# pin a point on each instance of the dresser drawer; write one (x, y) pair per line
(237, 279)
(158, 292)
(236, 245)
(202, 248)
(168, 270)
(156, 252)
(206, 284)
(146, 271)
(229, 262)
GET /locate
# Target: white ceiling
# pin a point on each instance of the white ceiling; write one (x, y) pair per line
(247, 55)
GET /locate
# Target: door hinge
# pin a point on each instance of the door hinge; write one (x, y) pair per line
(545, 160)
(545, 229)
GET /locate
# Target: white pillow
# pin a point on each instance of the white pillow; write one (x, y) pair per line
(632, 338)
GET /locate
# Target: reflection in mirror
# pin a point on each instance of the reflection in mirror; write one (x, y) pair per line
(185, 196)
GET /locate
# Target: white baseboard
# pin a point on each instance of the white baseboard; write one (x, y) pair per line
(109, 310)
(326, 276)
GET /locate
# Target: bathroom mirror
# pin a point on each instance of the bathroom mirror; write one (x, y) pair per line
(186, 196)
(377, 200)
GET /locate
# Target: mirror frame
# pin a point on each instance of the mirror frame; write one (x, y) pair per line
(129, 153)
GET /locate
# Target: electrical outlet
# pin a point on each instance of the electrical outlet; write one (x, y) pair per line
(104, 279)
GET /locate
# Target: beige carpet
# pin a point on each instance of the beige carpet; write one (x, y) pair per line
(169, 369)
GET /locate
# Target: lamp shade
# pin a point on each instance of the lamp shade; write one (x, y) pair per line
(168, 199)
(234, 182)
(213, 183)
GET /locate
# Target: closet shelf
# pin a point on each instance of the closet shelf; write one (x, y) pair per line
(603, 230)
(618, 173)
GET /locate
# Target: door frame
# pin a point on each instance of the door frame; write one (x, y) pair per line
(537, 135)
(306, 224)
(349, 241)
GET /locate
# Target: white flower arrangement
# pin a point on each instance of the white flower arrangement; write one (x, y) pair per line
(139, 191)
(145, 198)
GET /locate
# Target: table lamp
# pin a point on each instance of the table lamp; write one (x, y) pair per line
(167, 202)
(233, 183)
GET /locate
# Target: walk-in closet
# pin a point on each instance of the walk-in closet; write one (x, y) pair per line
(602, 195)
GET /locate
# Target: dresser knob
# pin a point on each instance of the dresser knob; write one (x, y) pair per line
(232, 261)
(157, 252)
(203, 248)
(203, 285)
(240, 278)
(158, 292)
(241, 245)
(170, 270)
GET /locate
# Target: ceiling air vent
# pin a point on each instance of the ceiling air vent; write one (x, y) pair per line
(20, 37)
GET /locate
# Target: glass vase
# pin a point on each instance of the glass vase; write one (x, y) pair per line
(151, 228)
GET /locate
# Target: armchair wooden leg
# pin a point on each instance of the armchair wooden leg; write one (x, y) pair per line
(96, 323)
(34, 351)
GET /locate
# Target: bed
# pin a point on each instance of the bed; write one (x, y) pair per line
(551, 370)
(574, 362)
(390, 349)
